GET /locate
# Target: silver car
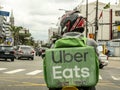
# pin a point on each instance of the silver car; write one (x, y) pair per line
(24, 51)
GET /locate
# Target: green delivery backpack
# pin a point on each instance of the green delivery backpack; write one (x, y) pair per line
(70, 42)
(71, 63)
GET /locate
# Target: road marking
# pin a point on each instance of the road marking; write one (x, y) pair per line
(114, 67)
(2, 69)
(14, 71)
(34, 72)
(114, 78)
(100, 77)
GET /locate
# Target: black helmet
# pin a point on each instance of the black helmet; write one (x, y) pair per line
(72, 22)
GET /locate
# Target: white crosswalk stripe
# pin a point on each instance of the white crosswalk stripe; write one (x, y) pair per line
(2, 69)
(100, 77)
(14, 71)
(34, 72)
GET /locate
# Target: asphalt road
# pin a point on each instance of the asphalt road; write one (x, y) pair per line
(28, 75)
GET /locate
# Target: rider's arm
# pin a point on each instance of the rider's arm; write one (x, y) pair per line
(92, 42)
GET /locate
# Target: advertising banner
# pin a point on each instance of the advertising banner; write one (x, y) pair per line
(4, 13)
(71, 67)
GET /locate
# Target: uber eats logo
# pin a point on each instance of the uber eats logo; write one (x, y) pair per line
(74, 71)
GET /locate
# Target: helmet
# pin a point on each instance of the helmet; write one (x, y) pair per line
(72, 22)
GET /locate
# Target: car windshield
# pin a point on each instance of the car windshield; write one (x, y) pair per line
(6, 48)
(25, 48)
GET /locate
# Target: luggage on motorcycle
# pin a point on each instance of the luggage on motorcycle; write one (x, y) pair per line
(72, 66)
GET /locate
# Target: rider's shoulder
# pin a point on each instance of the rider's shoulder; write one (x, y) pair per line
(92, 41)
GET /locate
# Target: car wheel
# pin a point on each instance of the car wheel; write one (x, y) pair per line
(18, 58)
(12, 59)
(101, 66)
(32, 58)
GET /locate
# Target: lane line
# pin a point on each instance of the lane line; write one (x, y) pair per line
(114, 78)
(2, 69)
(14, 71)
(34, 72)
(100, 77)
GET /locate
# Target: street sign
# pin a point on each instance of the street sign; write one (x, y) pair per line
(4, 13)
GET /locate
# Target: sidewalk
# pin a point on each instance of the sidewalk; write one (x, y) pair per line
(113, 58)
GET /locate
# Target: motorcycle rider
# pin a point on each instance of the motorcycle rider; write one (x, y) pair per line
(73, 24)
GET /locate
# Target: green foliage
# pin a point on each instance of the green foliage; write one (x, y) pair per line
(21, 38)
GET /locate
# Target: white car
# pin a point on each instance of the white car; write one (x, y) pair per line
(24, 51)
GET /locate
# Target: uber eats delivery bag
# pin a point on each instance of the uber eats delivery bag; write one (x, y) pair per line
(73, 66)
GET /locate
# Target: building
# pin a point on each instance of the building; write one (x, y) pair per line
(52, 31)
(12, 19)
(5, 33)
(108, 24)
(105, 16)
(2, 30)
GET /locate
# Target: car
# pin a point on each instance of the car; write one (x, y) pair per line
(38, 51)
(43, 49)
(24, 51)
(7, 52)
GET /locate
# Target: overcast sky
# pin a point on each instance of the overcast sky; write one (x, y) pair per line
(39, 15)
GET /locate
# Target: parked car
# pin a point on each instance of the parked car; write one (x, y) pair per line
(24, 51)
(7, 52)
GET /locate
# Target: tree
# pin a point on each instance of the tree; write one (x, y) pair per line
(23, 36)
(15, 32)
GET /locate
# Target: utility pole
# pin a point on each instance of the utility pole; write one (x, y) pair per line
(96, 21)
(86, 18)
(111, 24)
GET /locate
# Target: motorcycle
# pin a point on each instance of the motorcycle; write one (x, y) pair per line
(64, 69)
(71, 69)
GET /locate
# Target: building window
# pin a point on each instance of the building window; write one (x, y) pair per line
(117, 13)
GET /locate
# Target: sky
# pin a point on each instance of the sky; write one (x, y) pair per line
(39, 15)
